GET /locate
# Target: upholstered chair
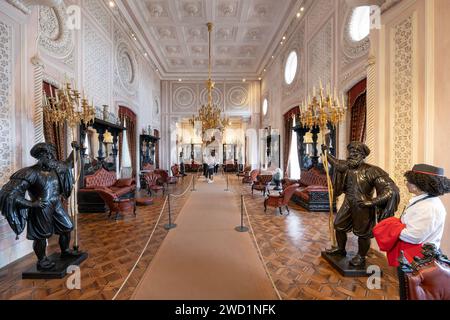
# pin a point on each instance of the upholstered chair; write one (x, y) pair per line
(165, 178)
(262, 183)
(153, 183)
(426, 278)
(282, 199)
(114, 203)
(252, 177)
(176, 171)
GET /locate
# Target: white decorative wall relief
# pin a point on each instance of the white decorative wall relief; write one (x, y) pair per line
(97, 66)
(322, 8)
(402, 102)
(184, 98)
(99, 13)
(6, 109)
(320, 52)
(217, 96)
(55, 38)
(237, 98)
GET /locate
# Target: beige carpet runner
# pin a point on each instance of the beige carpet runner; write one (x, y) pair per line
(204, 258)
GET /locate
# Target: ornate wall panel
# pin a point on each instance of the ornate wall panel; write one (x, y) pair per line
(97, 66)
(184, 97)
(321, 9)
(402, 71)
(217, 96)
(237, 97)
(299, 80)
(55, 38)
(126, 71)
(6, 108)
(99, 13)
(320, 56)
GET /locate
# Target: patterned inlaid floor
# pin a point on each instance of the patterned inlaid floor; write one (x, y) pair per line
(290, 246)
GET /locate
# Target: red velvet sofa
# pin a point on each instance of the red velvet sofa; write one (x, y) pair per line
(313, 191)
(88, 198)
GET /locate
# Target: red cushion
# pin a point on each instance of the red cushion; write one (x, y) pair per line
(123, 182)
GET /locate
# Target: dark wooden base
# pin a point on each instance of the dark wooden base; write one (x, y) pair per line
(59, 271)
(341, 264)
(319, 203)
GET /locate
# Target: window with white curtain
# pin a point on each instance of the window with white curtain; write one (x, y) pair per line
(294, 165)
(126, 157)
(360, 23)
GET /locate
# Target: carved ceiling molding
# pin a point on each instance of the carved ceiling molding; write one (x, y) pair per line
(241, 37)
(54, 36)
(19, 4)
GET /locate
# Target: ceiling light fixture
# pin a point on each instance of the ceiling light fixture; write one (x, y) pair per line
(112, 4)
(301, 9)
(284, 37)
(298, 14)
(243, 80)
(209, 116)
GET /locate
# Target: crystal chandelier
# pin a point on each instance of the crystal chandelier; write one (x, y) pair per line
(209, 115)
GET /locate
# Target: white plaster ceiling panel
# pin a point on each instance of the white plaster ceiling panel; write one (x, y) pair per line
(198, 50)
(173, 50)
(165, 33)
(176, 34)
(191, 10)
(156, 10)
(225, 34)
(228, 10)
(196, 34)
(261, 11)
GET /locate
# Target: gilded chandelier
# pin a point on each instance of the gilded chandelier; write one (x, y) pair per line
(323, 109)
(209, 114)
(67, 106)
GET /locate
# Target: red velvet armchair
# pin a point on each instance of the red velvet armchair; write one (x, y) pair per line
(251, 177)
(426, 278)
(114, 203)
(165, 178)
(281, 200)
(176, 171)
(152, 183)
(262, 182)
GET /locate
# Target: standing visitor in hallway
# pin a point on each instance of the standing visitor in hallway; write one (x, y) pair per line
(211, 161)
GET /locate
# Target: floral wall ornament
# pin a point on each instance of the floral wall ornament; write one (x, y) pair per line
(54, 36)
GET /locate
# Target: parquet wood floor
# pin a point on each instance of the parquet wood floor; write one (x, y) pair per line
(290, 245)
(113, 248)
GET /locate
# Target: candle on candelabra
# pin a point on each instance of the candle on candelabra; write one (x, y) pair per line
(314, 91)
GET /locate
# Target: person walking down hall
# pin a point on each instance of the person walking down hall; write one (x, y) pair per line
(211, 161)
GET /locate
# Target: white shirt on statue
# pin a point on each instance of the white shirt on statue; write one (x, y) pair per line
(424, 221)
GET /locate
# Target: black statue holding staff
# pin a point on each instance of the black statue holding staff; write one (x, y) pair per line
(46, 182)
(358, 180)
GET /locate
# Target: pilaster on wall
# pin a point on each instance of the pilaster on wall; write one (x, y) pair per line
(395, 92)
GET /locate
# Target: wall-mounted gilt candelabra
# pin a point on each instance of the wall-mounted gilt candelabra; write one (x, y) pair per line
(322, 109)
(66, 106)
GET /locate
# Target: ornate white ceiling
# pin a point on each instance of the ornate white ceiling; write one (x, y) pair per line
(177, 37)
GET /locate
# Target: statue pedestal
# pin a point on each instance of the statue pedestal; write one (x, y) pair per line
(59, 271)
(341, 264)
